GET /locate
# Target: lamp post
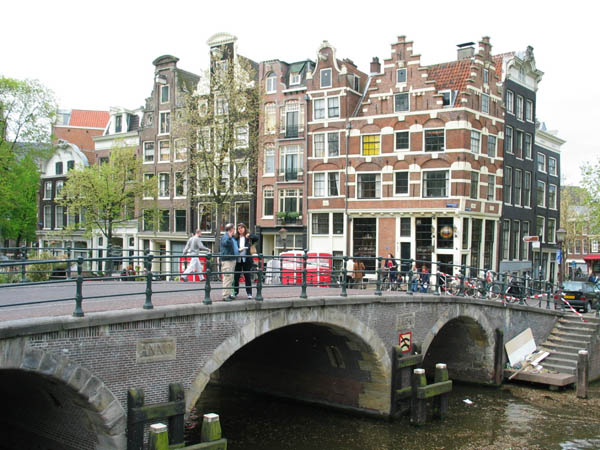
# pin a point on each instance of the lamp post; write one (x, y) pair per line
(561, 234)
(283, 235)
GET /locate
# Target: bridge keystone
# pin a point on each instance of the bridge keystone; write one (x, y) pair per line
(32, 359)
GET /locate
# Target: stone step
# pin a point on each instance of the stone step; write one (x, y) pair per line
(572, 328)
(579, 324)
(558, 361)
(557, 347)
(589, 318)
(560, 369)
(573, 337)
(571, 356)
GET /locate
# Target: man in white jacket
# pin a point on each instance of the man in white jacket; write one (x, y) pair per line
(193, 247)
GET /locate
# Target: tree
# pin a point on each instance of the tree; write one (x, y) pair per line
(105, 194)
(590, 173)
(26, 112)
(219, 122)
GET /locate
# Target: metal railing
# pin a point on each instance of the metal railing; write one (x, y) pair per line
(292, 270)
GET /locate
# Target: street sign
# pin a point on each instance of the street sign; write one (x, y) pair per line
(405, 341)
(531, 238)
(558, 256)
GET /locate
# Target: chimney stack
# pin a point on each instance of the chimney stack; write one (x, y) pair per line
(375, 66)
(466, 50)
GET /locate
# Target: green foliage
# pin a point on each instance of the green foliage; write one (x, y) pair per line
(41, 271)
(590, 172)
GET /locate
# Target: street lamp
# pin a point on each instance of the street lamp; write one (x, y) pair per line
(561, 234)
(283, 235)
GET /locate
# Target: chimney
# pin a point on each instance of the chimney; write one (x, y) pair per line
(466, 50)
(375, 66)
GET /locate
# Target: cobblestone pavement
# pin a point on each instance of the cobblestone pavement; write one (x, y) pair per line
(58, 299)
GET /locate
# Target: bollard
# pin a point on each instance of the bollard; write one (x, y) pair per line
(211, 428)
(148, 263)
(304, 261)
(418, 406)
(261, 262)
(440, 402)
(582, 374)
(78, 312)
(158, 438)
(378, 283)
(208, 274)
(344, 277)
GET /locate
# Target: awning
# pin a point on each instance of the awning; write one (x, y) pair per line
(594, 257)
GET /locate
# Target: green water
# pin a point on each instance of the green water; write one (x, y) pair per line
(495, 420)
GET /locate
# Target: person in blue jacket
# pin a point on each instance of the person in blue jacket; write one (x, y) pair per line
(229, 255)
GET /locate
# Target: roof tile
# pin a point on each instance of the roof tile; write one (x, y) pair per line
(87, 118)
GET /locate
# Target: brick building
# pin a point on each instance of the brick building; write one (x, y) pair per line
(79, 126)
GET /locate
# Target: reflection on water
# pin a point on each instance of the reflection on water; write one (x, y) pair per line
(495, 420)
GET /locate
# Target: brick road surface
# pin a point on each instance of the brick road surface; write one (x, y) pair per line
(58, 299)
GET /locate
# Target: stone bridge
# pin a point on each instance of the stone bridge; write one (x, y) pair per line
(64, 380)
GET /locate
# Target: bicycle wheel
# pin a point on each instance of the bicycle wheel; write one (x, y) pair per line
(454, 288)
(494, 291)
(477, 288)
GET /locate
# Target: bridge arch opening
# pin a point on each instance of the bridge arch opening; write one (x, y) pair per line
(465, 346)
(317, 362)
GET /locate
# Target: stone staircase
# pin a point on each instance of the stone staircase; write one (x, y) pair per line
(569, 336)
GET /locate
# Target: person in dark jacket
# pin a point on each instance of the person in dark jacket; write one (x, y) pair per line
(244, 262)
(229, 254)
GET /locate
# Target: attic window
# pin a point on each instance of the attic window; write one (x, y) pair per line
(448, 98)
(325, 78)
(401, 76)
(295, 78)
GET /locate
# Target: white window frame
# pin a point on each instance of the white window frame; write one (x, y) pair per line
(542, 232)
(291, 150)
(510, 102)
(407, 101)
(527, 146)
(425, 136)
(495, 146)
(529, 110)
(167, 129)
(398, 72)
(148, 176)
(519, 108)
(362, 136)
(475, 137)
(485, 103)
(179, 175)
(377, 185)
(507, 194)
(474, 190)
(553, 204)
(48, 190)
(180, 147)
(269, 155)
(552, 239)
(323, 86)
(319, 184)
(402, 194)
(552, 168)
(486, 76)
(282, 194)
(491, 195)
(396, 149)
(295, 78)
(59, 217)
(543, 203)
(242, 137)
(270, 118)
(47, 217)
(163, 185)
(312, 227)
(271, 83)
(537, 162)
(318, 101)
(518, 186)
(60, 184)
(446, 188)
(336, 178)
(326, 153)
(168, 90)
(527, 189)
(161, 153)
(146, 160)
(330, 116)
(508, 140)
(268, 192)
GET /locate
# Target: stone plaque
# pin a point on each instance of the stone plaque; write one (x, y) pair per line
(159, 349)
(405, 321)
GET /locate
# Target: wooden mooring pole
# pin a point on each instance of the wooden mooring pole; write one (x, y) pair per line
(582, 374)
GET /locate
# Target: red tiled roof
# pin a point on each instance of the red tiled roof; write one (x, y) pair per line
(498, 60)
(452, 75)
(87, 118)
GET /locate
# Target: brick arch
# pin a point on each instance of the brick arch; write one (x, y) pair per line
(326, 166)
(377, 362)
(369, 166)
(103, 417)
(434, 123)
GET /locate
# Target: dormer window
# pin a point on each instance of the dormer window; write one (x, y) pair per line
(401, 76)
(164, 94)
(295, 78)
(448, 98)
(58, 168)
(271, 83)
(325, 78)
(118, 123)
(486, 76)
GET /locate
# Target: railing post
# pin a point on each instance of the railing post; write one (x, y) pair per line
(521, 294)
(208, 275)
(378, 283)
(461, 292)
(548, 294)
(24, 267)
(78, 312)
(437, 279)
(344, 276)
(68, 268)
(304, 261)
(259, 272)
(148, 263)
(503, 287)
(409, 283)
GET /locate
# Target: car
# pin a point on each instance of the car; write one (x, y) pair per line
(580, 295)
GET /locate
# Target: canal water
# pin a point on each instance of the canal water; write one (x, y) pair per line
(531, 418)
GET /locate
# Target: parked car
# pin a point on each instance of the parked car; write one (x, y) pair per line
(580, 295)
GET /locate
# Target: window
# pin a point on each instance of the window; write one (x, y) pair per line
(527, 190)
(552, 166)
(401, 76)
(164, 93)
(333, 144)
(505, 239)
(507, 185)
(269, 161)
(551, 231)
(242, 212)
(148, 152)
(510, 102)
(295, 78)
(474, 185)
(164, 219)
(180, 184)
(241, 137)
(221, 106)
(59, 217)
(402, 140)
(508, 141)
(333, 107)
(47, 217)
(164, 149)
(491, 187)
(552, 196)
(519, 107)
(436, 183)
(527, 145)
(338, 223)
(325, 78)
(524, 245)
(292, 113)
(518, 184)
(118, 123)
(319, 185)
(405, 226)
(58, 168)
(270, 118)
(529, 111)
(70, 165)
(485, 103)
(319, 108)
(541, 162)
(180, 220)
(290, 200)
(59, 187)
(48, 190)
(448, 97)
(516, 230)
(206, 216)
(333, 185)
(355, 84)
(242, 181)
(475, 141)
(268, 202)
(541, 194)
(401, 183)
(401, 102)
(540, 227)
(180, 150)
(371, 144)
(434, 140)
(320, 223)
(271, 83)
(486, 76)
(149, 186)
(491, 146)
(163, 185)
(326, 144)
(289, 162)
(369, 185)
(519, 144)
(165, 122)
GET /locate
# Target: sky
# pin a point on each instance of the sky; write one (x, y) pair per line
(95, 55)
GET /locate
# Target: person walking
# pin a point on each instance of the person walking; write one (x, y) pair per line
(229, 254)
(243, 266)
(392, 266)
(414, 281)
(349, 271)
(358, 274)
(193, 247)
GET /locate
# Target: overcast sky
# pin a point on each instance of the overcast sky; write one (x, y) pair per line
(95, 55)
